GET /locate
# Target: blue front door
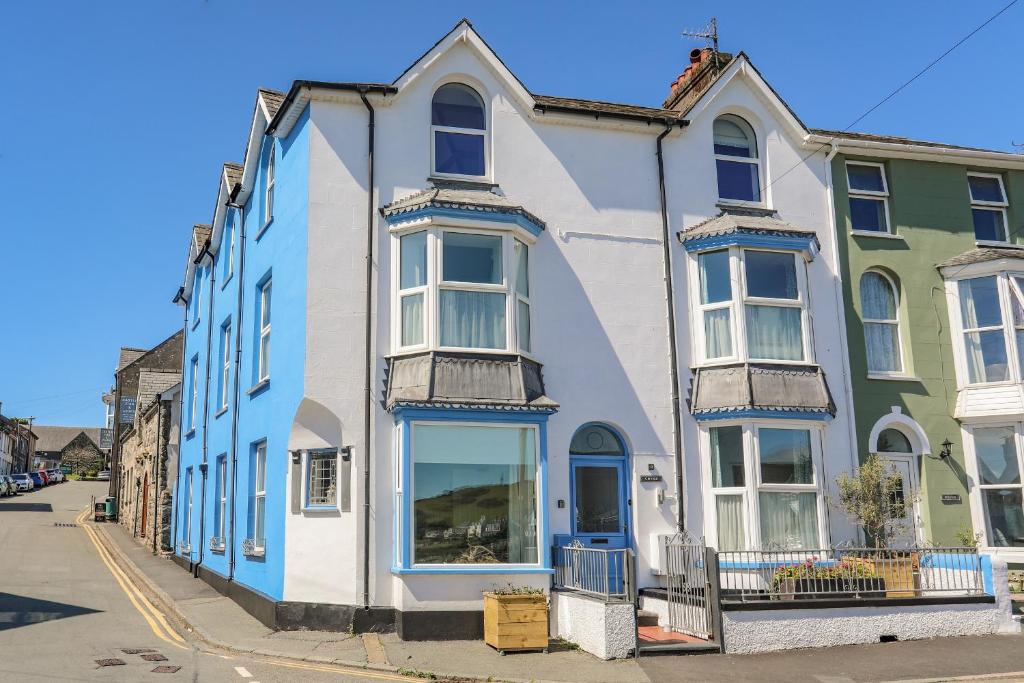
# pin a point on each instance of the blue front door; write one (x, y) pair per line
(600, 518)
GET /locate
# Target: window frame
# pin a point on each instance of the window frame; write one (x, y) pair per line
(1004, 278)
(196, 302)
(188, 509)
(753, 481)
(193, 399)
(485, 133)
(762, 186)
(874, 195)
(979, 508)
(269, 185)
(738, 303)
(266, 292)
(435, 284)
(225, 372)
(902, 372)
(222, 496)
(307, 478)
(228, 241)
(259, 496)
(995, 207)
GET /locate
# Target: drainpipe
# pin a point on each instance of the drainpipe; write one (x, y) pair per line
(237, 373)
(181, 407)
(203, 467)
(666, 263)
(367, 387)
(156, 460)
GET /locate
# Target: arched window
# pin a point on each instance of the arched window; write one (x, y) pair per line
(458, 131)
(880, 313)
(894, 441)
(595, 439)
(736, 160)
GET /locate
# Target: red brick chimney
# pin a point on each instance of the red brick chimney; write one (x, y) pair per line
(704, 65)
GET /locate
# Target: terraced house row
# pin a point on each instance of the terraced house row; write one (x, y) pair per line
(442, 329)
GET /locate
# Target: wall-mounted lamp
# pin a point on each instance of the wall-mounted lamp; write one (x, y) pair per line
(296, 457)
(947, 449)
(346, 452)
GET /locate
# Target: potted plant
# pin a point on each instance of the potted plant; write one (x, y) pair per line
(874, 497)
(814, 579)
(516, 618)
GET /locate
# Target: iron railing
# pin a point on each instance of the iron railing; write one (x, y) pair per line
(851, 573)
(608, 574)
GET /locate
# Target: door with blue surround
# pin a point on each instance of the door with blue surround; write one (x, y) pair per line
(599, 488)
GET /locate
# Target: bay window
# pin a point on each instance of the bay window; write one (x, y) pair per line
(997, 461)
(765, 491)
(768, 287)
(474, 494)
(990, 318)
(462, 289)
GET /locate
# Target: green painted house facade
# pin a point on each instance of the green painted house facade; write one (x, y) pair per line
(902, 211)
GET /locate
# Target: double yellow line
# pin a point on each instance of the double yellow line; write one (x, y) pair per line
(154, 617)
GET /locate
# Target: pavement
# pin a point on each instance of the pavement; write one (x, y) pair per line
(91, 592)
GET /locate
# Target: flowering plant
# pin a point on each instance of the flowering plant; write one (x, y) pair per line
(811, 568)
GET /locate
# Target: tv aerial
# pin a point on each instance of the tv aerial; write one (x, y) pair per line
(708, 33)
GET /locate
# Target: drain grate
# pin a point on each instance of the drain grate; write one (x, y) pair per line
(137, 650)
(165, 669)
(110, 662)
(154, 658)
(65, 524)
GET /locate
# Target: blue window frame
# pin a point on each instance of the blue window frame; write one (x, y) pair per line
(471, 492)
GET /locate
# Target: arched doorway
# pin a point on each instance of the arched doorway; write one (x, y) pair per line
(599, 487)
(901, 441)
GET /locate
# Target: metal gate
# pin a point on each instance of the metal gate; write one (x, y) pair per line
(690, 594)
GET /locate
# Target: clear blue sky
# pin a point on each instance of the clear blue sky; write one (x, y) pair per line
(117, 116)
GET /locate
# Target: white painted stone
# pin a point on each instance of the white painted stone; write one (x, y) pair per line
(605, 630)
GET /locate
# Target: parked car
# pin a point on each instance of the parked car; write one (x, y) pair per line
(44, 477)
(55, 475)
(24, 481)
(12, 485)
(37, 479)
(104, 475)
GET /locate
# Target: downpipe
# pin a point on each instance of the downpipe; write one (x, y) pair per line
(203, 466)
(237, 377)
(368, 338)
(181, 424)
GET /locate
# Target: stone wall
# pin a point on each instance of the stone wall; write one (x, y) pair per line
(145, 479)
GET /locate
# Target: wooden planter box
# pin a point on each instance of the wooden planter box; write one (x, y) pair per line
(902, 575)
(516, 622)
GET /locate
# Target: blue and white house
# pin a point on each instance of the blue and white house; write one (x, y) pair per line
(439, 325)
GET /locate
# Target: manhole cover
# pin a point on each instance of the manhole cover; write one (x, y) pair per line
(166, 669)
(154, 658)
(65, 524)
(137, 650)
(110, 662)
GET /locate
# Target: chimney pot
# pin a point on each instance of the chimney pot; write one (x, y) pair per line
(696, 55)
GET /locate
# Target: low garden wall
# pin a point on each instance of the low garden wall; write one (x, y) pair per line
(604, 629)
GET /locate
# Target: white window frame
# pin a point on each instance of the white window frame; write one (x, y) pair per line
(485, 134)
(225, 370)
(738, 316)
(259, 496)
(762, 185)
(229, 267)
(193, 401)
(521, 298)
(263, 363)
(996, 207)
(753, 484)
(188, 509)
(410, 457)
(1004, 281)
(870, 194)
(222, 496)
(197, 295)
(307, 483)
(902, 372)
(435, 285)
(268, 195)
(979, 512)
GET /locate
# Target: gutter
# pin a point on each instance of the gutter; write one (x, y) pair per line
(368, 339)
(204, 466)
(179, 297)
(666, 263)
(909, 149)
(238, 366)
(622, 116)
(297, 86)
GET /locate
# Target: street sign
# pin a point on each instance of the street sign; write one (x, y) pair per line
(106, 438)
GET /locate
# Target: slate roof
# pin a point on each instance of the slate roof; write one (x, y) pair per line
(233, 172)
(55, 438)
(460, 380)
(128, 356)
(459, 198)
(981, 255)
(201, 233)
(729, 223)
(273, 99)
(151, 384)
(598, 107)
(783, 388)
(872, 137)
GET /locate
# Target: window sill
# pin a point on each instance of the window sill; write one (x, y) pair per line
(220, 412)
(753, 207)
(894, 378)
(320, 510)
(195, 323)
(456, 569)
(998, 243)
(258, 387)
(227, 280)
(190, 433)
(470, 182)
(882, 235)
(259, 233)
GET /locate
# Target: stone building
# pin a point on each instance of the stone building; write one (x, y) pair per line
(74, 446)
(144, 506)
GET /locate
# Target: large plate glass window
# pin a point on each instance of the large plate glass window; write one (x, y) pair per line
(988, 206)
(736, 160)
(773, 307)
(474, 493)
(981, 321)
(458, 131)
(869, 203)
(880, 313)
(997, 454)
